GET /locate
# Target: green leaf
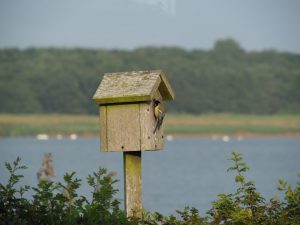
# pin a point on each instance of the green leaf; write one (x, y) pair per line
(239, 179)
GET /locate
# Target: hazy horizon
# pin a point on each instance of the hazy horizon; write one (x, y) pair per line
(130, 24)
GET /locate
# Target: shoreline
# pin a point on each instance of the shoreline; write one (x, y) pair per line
(244, 135)
(214, 136)
(180, 126)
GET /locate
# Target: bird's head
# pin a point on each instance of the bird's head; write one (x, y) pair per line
(155, 102)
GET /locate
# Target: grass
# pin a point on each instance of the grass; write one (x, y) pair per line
(211, 124)
(232, 124)
(29, 125)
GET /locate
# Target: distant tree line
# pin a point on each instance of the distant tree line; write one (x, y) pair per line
(223, 79)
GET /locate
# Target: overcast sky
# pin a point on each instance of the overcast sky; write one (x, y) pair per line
(127, 24)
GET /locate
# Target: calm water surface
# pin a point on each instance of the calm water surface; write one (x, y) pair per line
(188, 172)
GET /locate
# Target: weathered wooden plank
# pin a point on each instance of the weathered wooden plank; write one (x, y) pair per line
(159, 138)
(147, 121)
(159, 134)
(149, 140)
(103, 127)
(165, 88)
(133, 183)
(155, 87)
(123, 127)
(126, 87)
(135, 86)
(124, 99)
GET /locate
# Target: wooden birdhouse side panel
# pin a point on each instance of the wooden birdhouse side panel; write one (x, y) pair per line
(147, 122)
(159, 138)
(159, 134)
(123, 127)
(149, 140)
(103, 127)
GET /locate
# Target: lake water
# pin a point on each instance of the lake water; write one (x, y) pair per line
(188, 172)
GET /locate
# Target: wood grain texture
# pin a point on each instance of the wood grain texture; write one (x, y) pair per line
(127, 87)
(165, 88)
(133, 183)
(135, 86)
(123, 127)
(129, 127)
(150, 141)
(159, 134)
(103, 127)
(147, 122)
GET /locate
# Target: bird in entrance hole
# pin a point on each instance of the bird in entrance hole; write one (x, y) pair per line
(159, 113)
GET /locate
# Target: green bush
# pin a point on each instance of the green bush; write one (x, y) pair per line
(59, 203)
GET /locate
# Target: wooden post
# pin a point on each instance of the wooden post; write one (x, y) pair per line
(133, 183)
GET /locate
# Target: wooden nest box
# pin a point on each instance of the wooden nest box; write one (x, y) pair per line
(127, 120)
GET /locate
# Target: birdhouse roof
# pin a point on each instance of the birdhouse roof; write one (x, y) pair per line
(135, 86)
